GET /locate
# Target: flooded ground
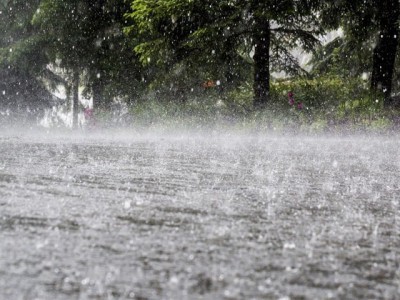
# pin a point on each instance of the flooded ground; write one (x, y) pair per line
(199, 217)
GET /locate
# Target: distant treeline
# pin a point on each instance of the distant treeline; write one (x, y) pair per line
(174, 48)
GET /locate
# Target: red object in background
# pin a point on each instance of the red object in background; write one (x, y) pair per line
(88, 113)
(89, 117)
(292, 102)
(300, 105)
(291, 98)
(208, 84)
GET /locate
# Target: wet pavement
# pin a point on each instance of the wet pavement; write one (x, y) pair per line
(218, 216)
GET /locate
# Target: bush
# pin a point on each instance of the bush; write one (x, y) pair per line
(321, 93)
(329, 101)
(328, 104)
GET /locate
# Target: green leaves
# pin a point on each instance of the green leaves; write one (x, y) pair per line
(216, 39)
(202, 26)
(24, 53)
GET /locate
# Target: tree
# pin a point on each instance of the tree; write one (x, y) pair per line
(371, 29)
(339, 58)
(19, 40)
(21, 61)
(384, 56)
(226, 32)
(85, 39)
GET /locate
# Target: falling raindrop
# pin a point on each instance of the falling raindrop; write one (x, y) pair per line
(127, 204)
(364, 76)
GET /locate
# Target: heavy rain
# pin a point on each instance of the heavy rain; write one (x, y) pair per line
(199, 149)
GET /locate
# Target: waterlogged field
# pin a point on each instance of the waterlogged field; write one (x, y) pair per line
(217, 216)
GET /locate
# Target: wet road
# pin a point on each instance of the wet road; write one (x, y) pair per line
(199, 217)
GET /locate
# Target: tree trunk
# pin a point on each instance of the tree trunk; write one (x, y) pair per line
(228, 57)
(262, 40)
(97, 91)
(385, 50)
(75, 99)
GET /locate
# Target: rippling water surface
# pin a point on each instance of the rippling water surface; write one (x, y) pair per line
(199, 217)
